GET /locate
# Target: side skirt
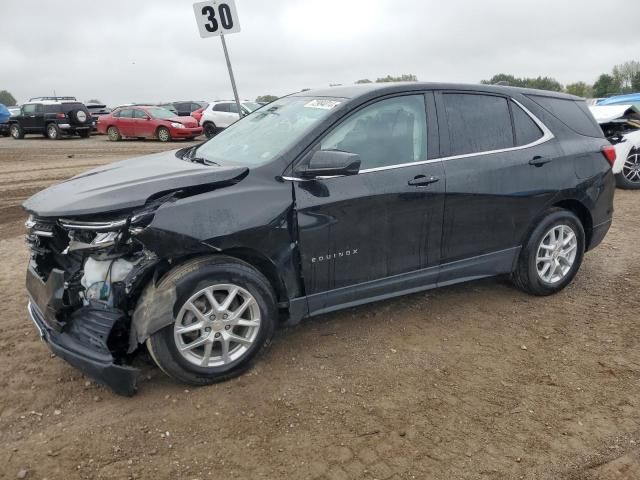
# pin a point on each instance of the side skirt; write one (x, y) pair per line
(487, 265)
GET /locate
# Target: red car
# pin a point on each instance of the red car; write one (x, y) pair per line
(147, 122)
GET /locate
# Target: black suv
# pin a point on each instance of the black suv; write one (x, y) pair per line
(319, 201)
(51, 118)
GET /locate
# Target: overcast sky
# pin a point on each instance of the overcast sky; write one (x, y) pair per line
(149, 50)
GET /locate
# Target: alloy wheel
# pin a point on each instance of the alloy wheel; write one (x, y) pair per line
(163, 135)
(52, 132)
(631, 168)
(15, 131)
(556, 254)
(217, 325)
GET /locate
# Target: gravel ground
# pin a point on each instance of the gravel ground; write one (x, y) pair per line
(476, 381)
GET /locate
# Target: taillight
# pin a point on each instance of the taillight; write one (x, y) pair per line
(60, 115)
(609, 153)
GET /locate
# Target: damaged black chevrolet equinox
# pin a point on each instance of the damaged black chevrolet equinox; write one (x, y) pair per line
(319, 201)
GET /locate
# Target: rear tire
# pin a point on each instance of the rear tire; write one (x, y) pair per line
(197, 281)
(16, 131)
(629, 177)
(552, 255)
(163, 134)
(210, 130)
(114, 134)
(53, 132)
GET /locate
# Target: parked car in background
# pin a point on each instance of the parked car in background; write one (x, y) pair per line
(5, 114)
(51, 118)
(186, 108)
(220, 114)
(628, 99)
(147, 122)
(322, 201)
(97, 110)
(621, 126)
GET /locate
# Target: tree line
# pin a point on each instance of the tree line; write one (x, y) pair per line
(623, 78)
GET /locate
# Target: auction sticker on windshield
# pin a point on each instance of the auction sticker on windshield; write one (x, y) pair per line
(324, 104)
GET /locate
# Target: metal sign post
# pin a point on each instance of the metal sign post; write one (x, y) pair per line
(217, 18)
(233, 80)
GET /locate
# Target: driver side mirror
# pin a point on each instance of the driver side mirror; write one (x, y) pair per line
(326, 163)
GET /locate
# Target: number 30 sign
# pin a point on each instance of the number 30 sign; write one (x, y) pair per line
(216, 17)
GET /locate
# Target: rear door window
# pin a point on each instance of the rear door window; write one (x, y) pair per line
(221, 107)
(477, 123)
(51, 108)
(526, 130)
(126, 113)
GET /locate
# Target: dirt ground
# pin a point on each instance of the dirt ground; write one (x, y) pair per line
(475, 381)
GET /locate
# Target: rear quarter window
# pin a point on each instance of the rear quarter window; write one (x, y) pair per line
(573, 113)
(477, 123)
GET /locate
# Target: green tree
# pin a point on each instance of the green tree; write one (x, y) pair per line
(266, 98)
(364, 80)
(406, 77)
(635, 82)
(6, 98)
(606, 85)
(625, 74)
(542, 83)
(580, 89)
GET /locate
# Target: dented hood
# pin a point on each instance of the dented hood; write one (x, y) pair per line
(128, 184)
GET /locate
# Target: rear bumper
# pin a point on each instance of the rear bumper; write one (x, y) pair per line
(82, 342)
(186, 132)
(598, 233)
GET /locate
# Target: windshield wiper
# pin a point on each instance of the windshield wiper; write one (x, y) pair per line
(190, 154)
(203, 161)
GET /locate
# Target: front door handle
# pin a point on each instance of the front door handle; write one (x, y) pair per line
(423, 181)
(539, 161)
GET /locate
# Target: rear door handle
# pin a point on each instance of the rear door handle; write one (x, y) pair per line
(423, 181)
(539, 161)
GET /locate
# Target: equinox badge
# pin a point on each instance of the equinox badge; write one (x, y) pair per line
(332, 256)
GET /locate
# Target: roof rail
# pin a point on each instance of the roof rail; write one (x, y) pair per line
(55, 99)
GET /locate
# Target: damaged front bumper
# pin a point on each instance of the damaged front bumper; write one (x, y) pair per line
(83, 341)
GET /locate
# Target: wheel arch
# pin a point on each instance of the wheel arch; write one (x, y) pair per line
(582, 212)
(160, 302)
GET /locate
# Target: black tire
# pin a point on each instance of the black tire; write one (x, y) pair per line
(53, 132)
(210, 130)
(526, 276)
(84, 133)
(192, 277)
(16, 131)
(163, 134)
(114, 134)
(629, 177)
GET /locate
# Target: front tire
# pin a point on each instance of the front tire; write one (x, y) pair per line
(629, 177)
(552, 255)
(163, 134)
(114, 134)
(16, 131)
(53, 132)
(225, 315)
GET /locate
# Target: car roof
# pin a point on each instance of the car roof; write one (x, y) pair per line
(354, 91)
(631, 98)
(51, 102)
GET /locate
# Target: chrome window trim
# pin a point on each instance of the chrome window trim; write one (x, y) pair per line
(547, 135)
